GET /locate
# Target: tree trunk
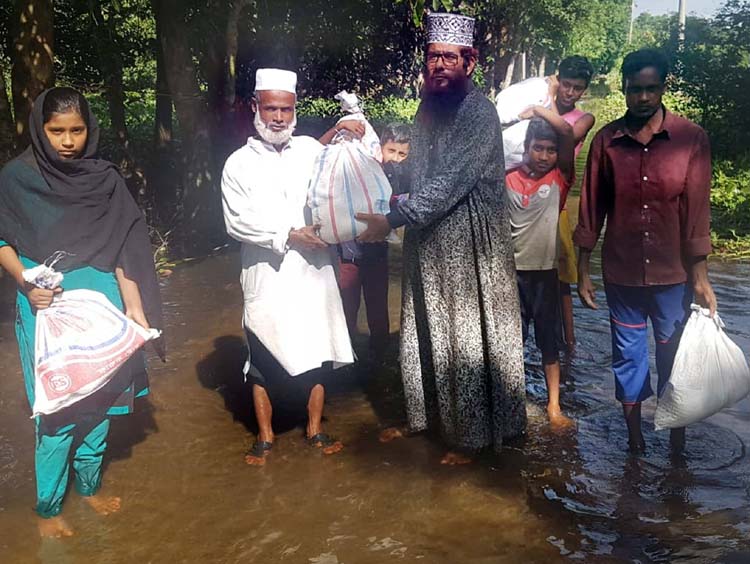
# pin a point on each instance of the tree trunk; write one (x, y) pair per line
(163, 115)
(543, 65)
(110, 65)
(32, 57)
(509, 72)
(199, 194)
(7, 127)
(523, 66)
(232, 37)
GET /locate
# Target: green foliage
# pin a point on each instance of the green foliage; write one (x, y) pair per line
(392, 108)
(730, 198)
(601, 34)
(317, 107)
(388, 108)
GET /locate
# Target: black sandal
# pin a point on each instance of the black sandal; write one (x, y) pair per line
(259, 449)
(321, 440)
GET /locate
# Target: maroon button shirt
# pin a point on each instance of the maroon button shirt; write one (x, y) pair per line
(655, 199)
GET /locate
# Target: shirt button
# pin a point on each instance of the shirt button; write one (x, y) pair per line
(648, 261)
(645, 178)
(645, 206)
(645, 149)
(646, 233)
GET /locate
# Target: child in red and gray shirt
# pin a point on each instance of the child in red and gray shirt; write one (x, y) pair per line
(536, 193)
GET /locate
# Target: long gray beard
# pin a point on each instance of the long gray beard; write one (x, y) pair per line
(273, 137)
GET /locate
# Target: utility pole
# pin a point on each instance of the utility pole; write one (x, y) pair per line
(632, 20)
(681, 21)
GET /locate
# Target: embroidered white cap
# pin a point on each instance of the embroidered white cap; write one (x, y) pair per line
(452, 29)
(276, 79)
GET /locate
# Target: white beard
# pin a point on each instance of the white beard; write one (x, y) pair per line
(274, 137)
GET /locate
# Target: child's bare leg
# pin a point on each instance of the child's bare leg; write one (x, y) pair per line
(552, 376)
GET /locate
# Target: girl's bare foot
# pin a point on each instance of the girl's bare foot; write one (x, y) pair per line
(54, 527)
(456, 458)
(387, 435)
(103, 504)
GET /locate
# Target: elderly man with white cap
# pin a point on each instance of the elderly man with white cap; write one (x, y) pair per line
(461, 343)
(293, 317)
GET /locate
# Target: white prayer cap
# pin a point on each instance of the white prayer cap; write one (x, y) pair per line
(276, 79)
(452, 29)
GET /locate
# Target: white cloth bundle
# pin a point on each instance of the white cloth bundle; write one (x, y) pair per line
(510, 104)
(710, 373)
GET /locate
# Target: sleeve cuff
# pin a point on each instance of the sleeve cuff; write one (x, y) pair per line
(584, 238)
(395, 218)
(700, 246)
(279, 242)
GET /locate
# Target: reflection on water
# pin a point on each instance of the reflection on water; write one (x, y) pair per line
(189, 497)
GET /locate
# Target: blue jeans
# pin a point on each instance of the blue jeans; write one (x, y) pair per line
(630, 308)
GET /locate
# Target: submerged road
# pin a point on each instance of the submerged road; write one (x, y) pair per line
(188, 496)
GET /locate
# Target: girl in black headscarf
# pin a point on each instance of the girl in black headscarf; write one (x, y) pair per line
(58, 196)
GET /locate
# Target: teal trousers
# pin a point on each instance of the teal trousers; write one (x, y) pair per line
(87, 439)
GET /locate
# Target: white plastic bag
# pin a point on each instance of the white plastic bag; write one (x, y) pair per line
(512, 101)
(514, 139)
(347, 181)
(351, 106)
(710, 373)
(81, 341)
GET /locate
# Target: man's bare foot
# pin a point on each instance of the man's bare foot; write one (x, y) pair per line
(677, 440)
(54, 527)
(387, 435)
(455, 458)
(558, 421)
(103, 504)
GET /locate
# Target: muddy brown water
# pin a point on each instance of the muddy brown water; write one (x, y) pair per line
(188, 497)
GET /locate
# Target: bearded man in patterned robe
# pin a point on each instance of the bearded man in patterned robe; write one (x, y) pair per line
(461, 344)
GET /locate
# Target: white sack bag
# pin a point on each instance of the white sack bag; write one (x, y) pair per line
(82, 339)
(514, 139)
(347, 181)
(512, 101)
(710, 373)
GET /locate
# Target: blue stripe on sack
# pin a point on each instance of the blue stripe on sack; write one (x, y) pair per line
(91, 304)
(382, 201)
(349, 192)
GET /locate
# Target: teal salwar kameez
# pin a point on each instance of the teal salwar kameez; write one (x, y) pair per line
(80, 206)
(83, 427)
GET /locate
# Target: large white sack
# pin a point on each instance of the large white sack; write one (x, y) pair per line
(710, 373)
(346, 181)
(514, 138)
(81, 341)
(512, 101)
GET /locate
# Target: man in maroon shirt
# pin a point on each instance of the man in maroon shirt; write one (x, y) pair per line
(649, 175)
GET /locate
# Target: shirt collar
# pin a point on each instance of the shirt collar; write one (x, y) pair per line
(260, 146)
(667, 123)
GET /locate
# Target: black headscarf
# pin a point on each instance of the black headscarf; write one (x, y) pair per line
(84, 208)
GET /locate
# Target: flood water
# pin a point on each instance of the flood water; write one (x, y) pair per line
(188, 496)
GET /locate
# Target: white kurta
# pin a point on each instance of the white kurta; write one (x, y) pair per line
(292, 300)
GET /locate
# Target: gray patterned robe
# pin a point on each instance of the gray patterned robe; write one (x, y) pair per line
(461, 344)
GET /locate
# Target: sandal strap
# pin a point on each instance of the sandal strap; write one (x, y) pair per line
(260, 448)
(323, 438)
